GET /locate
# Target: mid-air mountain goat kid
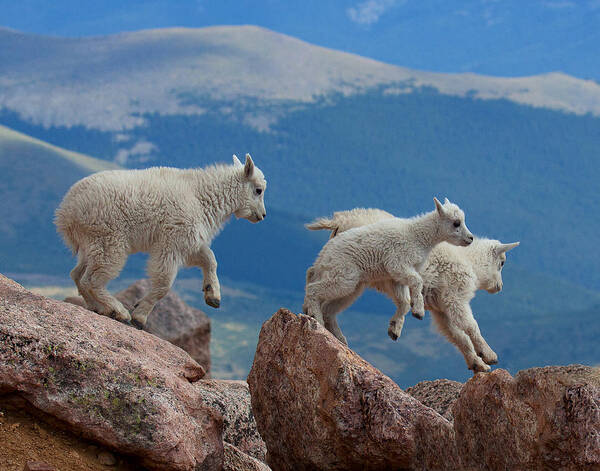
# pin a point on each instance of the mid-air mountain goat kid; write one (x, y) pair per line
(172, 214)
(393, 249)
(451, 276)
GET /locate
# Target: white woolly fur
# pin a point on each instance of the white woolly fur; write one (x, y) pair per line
(172, 214)
(451, 276)
(391, 248)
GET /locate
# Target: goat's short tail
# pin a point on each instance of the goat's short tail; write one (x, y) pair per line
(323, 223)
(66, 231)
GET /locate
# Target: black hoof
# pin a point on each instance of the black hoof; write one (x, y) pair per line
(137, 324)
(213, 302)
(127, 322)
(393, 336)
(136, 305)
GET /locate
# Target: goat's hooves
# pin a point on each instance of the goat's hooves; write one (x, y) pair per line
(392, 335)
(419, 315)
(476, 368)
(137, 324)
(489, 360)
(213, 302)
(118, 316)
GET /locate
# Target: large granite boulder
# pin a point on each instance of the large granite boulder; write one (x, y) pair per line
(318, 405)
(543, 418)
(118, 386)
(440, 395)
(172, 319)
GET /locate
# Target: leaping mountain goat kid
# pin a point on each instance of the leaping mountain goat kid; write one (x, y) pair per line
(173, 214)
(451, 277)
(393, 249)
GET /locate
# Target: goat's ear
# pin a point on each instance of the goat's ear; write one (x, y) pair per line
(505, 247)
(248, 167)
(446, 201)
(236, 161)
(438, 206)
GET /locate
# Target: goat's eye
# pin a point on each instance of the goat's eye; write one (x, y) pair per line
(501, 263)
(456, 223)
(258, 191)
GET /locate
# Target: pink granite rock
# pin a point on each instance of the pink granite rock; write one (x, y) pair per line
(232, 400)
(318, 405)
(124, 388)
(440, 395)
(543, 418)
(172, 319)
(236, 460)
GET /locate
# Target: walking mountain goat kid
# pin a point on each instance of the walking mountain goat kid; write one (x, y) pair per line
(391, 248)
(451, 276)
(173, 214)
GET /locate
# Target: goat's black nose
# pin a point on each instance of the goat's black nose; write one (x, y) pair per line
(470, 238)
(264, 215)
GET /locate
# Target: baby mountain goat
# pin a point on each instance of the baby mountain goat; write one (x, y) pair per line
(172, 214)
(393, 249)
(451, 276)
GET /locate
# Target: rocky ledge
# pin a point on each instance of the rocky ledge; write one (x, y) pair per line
(317, 405)
(320, 406)
(172, 319)
(125, 389)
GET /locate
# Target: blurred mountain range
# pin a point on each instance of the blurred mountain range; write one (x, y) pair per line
(503, 38)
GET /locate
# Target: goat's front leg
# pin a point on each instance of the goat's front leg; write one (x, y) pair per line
(452, 324)
(410, 277)
(401, 297)
(205, 259)
(162, 269)
(484, 351)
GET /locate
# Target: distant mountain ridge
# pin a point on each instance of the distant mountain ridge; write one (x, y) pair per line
(12, 141)
(500, 38)
(110, 82)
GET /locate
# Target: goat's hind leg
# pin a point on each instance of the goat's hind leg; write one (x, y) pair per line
(326, 289)
(76, 275)
(105, 260)
(332, 308)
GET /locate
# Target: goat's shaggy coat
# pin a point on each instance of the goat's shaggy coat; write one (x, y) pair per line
(393, 249)
(172, 214)
(451, 277)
